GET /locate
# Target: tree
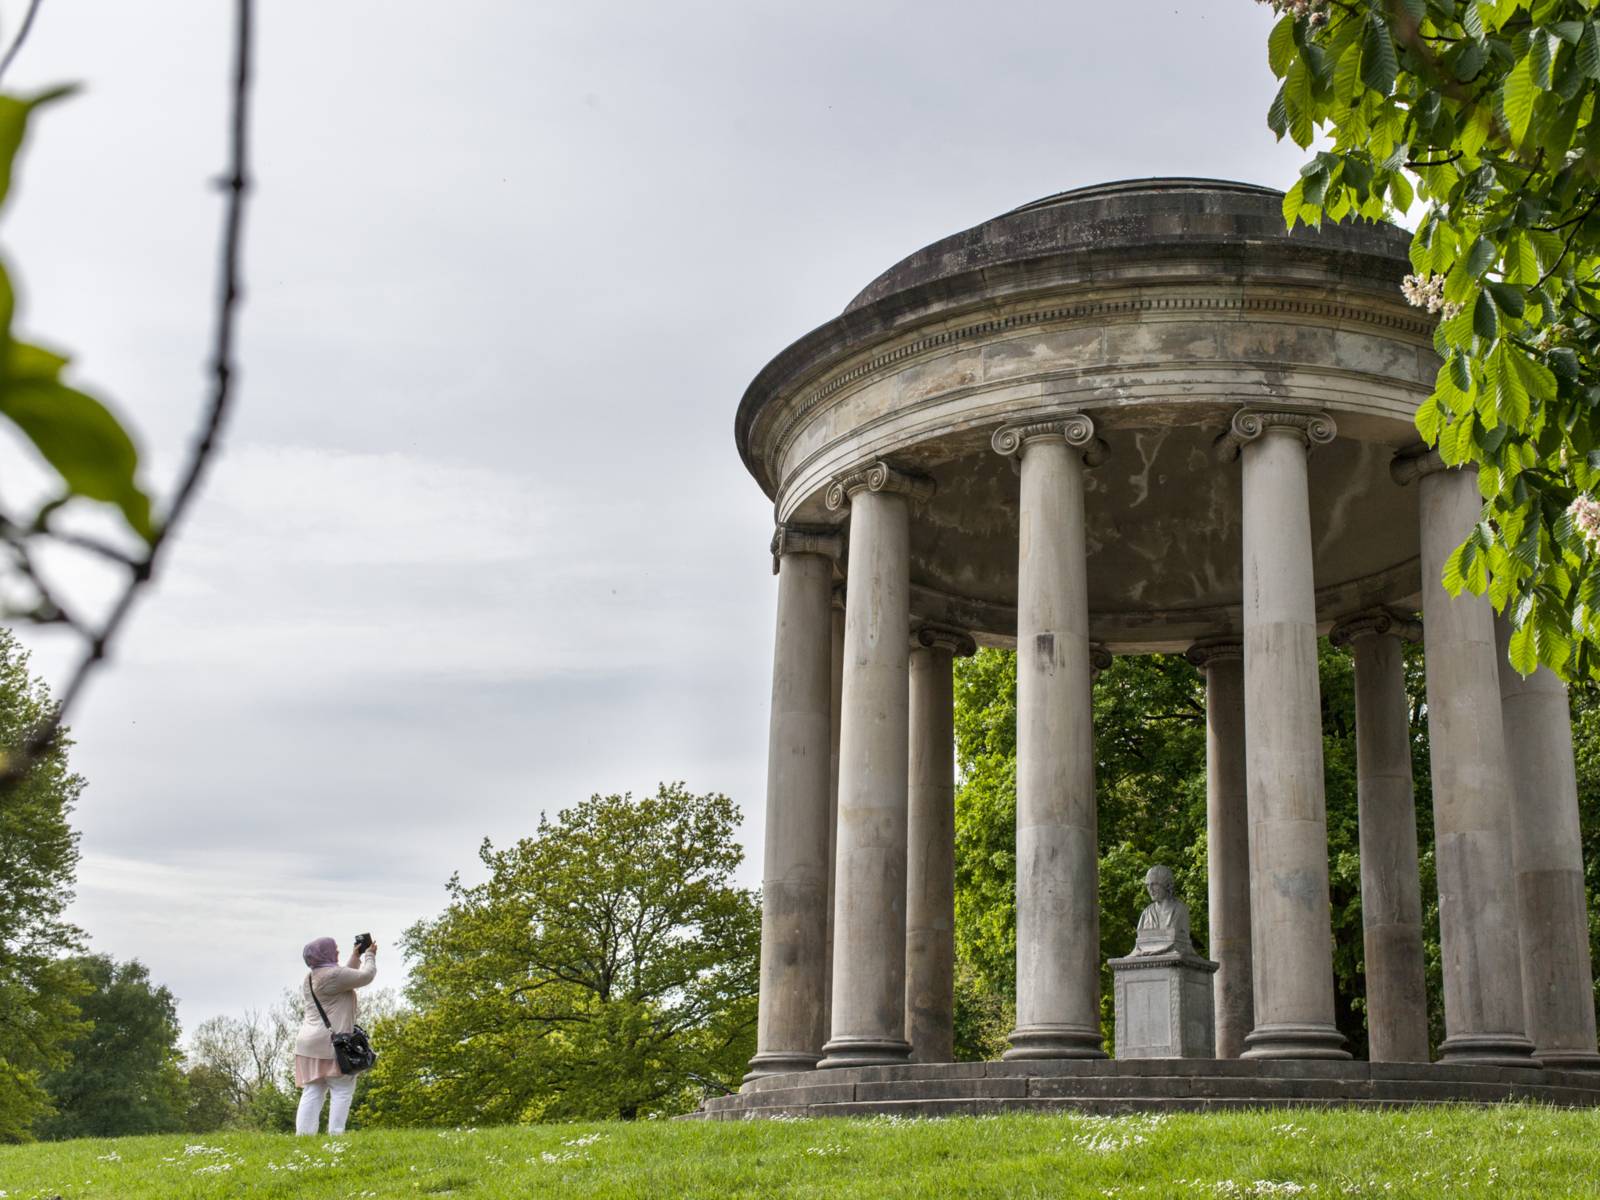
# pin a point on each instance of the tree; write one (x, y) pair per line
(1484, 110)
(605, 968)
(240, 1070)
(38, 857)
(124, 1076)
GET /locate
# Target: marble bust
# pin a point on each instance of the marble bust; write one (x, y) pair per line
(1164, 924)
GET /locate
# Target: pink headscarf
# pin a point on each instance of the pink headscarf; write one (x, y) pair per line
(321, 953)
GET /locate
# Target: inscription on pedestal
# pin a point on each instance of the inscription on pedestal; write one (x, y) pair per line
(1162, 990)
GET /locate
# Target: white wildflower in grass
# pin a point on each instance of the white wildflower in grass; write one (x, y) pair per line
(555, 1158)
(216, 1168)
(1585, 514)
(1289, 1130)
(587, 1139)
(827, 1150)
(113, 1156)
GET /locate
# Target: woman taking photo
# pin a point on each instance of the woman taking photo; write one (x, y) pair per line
(316, 1070)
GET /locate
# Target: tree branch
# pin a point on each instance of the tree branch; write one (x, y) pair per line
(22, 36)
(236, 186)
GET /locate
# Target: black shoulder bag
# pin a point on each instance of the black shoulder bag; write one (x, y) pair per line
(352, 1051)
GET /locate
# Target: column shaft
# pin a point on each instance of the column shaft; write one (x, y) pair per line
(869, 915)
(1479, 943)
(795, 869)
(1058, 926)
(1291, 923)
(1391, 894)
(1227, 845)
(837, 615)
(1547, 856)
(931, 865)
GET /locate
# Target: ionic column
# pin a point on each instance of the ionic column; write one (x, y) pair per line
(837, 615)
(1227, 841)
(1547, 857)
(794, 885)
(869, 913)
(931, 838)
(1478, 938)
(1058, 917)
(1391, 895)
(1291, 921)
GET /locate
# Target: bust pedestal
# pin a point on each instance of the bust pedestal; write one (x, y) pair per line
(1164, 1005)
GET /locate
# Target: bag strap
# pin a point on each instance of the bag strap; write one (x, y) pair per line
(312, 988)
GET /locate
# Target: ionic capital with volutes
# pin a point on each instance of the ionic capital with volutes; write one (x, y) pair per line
(944, 637)
(802, 539)
(1312, 428)
(878, 476)
(1376, 622)
(1415, 462)
(1100, 658)
(1223, 648)
(1076, 429)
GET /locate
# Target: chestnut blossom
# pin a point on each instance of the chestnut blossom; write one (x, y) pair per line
(1585, 513)
(1427, 291)
(1315, 10)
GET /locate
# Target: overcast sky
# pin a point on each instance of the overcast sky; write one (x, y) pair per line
(480, 543)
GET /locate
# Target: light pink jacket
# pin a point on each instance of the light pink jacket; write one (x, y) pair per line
(336, 988)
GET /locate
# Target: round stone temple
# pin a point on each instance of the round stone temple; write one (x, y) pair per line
(1135, 418)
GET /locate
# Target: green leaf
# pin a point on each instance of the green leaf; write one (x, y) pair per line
(1454, 576)
(1535, 377)
(1278, 116)
(1400, 193)
(14, 114)
(1429, 419)
(1378, 65)
(1568, 31)
(1481, 257)
(1522, 654)
(1292, 200)
(1485, 319)
(1280, 46)
(1589, 51)
(1507, 298)
(78, 436)
(1517, 97)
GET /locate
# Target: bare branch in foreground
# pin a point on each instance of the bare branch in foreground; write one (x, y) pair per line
(236, 186)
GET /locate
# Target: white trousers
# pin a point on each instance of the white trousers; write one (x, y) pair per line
(309, 1115)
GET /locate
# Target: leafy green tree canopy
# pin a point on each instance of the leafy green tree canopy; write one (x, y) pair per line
(605, 968)
(1484, 111)
(124, 1076)
(38, 857)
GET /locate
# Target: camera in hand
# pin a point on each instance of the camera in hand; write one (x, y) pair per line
(363, 942)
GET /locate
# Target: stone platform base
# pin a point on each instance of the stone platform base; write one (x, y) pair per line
(1139, 1085)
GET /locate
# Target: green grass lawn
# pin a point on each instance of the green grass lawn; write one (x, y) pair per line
(1514, 1151)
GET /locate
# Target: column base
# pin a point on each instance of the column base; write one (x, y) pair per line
(1568, 1060)
(1291, 1040)
(865, 1052)
(1489, 1050)
(780, 1062)
(1056, 1041)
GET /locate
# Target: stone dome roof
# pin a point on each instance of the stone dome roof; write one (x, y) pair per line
(1129, 214)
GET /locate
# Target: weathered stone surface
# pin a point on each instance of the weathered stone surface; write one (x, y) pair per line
(1150, 1085)
(1159, 306)
(1164, 1006)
